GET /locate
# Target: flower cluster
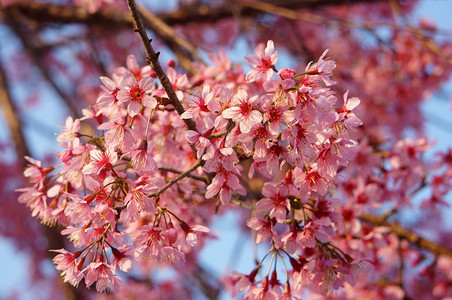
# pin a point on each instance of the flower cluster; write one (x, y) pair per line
(145, 188)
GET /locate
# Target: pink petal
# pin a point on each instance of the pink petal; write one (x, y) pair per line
(230, 112)
(149, 101)
(110, 84)
(134, 108)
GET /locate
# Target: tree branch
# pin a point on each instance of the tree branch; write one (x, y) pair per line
(178, 178)
(106, 17)
(406, 234)
(153, 59)
(13, 121)
(171, 170)
(52, 13)
(33, 53)
(205, 14)
(183, 49)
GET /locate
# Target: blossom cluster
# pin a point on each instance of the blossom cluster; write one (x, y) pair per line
(145, 187)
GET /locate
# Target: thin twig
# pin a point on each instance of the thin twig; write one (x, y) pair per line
(244, 204)
(199, 178)
(153, 59)
(178, 178)
(181, 47)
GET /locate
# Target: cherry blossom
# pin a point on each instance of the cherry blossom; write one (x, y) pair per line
(263, 63)
(242, 111)
(136, 93)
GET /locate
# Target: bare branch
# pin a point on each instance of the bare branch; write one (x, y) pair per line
(12, 120)
(197, 13)
(37, 60)
(408, 235)
(155, 64)
(184, 50)
(178, 178)
(171, 170)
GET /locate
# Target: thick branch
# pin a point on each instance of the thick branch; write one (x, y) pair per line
(37, 60)
(197, 13)
(47, 12)
(206, 14)
(408, 235)
(13, 121)
(153, 59)
(395, 228)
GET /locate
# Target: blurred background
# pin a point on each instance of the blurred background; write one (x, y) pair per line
(52, 54)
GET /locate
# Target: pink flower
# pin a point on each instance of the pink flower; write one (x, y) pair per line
(35, 172)
(71, 131)
(108, 97)
(263, 226)
(280, 91)
(118, 135)
(244, 281)
(310, 234)
(288, 294)
(357, 267)
(137, 93)
(121, 259)
(141, 159)
(78, 235)
(276, 116)
(201, 142)
(100, 161)
(275, 202)
(103, 275)
(192, 232)
(290, 241)
(223, 183)
(345, 112)
(153, 244)
(262, 293)
(311, 181)
(286, 73)
(263, 63)
(201, 103)
(66, 263)
(78, 210)
(138, 204)
(242, 111)
(323, 68)
(179, 82)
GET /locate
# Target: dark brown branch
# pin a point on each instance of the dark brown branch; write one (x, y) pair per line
(408, 235)
(206, 14)
(395, 228)
(153, 59)
(54, 238)
(41, 12)
(177, 179)
(52, 13)
(183, 49)
(13, 121)
(33, 53)
(171, 170)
